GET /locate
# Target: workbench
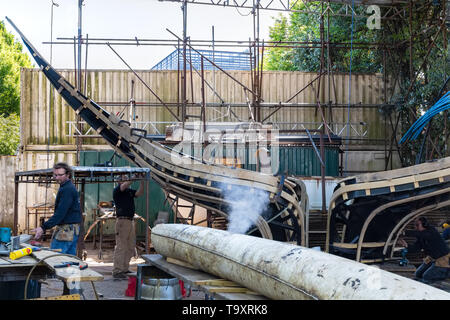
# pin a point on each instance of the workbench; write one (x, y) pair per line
(107, 214)
(43, 263)
(213, 287)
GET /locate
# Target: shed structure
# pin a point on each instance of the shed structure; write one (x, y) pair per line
(81, 176)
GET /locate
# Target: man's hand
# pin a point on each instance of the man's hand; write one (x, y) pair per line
(402, 242)
(38, 233)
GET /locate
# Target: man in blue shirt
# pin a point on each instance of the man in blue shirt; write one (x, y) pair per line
(67, 216)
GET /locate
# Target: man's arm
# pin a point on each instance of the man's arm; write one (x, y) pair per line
(416, 246)
(64, 203)
(125, 185)
(140, 191)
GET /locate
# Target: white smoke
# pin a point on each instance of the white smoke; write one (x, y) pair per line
(246, 204)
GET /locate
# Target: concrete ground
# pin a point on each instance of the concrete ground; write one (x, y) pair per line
(109, 288)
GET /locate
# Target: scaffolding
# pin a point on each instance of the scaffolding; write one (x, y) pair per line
(187, 54)
(226, 60)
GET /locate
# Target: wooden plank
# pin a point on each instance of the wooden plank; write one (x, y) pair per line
(355, 245)
(23, 261)
(217, 282)
(403, 172)
(192, 276)
(419, 177)
(72, 273)
(181, 263)
(231, 290)
(64, 297)
(183, 273)
(4, 262)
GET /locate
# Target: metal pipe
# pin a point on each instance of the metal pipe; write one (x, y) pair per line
(16, 205)
(322, 170)
(183, 91)
(85, 65)
(144, 83)
(226, 73)
(203, 110)
(244, 105)
(80, 5)
(147, 223)
(279, 270)
(317, 46)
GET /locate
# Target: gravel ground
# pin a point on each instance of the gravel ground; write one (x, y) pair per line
(109, 288)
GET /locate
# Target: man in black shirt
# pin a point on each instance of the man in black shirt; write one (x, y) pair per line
(123, 197)
(436, 266)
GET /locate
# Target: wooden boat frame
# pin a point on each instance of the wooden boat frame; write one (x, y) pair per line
(407, 192)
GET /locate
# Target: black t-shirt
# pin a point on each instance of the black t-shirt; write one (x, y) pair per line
(430, 241)
(124, 201)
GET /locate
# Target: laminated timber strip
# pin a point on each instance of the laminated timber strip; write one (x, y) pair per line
(204, 192)
(197, 182)
(391, 199)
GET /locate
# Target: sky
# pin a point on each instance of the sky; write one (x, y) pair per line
(114, 19)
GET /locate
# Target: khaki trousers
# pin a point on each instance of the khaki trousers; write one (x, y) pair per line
(125, 245)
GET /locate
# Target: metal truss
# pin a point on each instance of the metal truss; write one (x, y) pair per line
(392, 9)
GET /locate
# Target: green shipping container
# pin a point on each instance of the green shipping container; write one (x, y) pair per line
(303, 161)
(295, 160)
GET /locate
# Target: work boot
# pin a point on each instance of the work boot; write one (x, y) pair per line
(119, 276)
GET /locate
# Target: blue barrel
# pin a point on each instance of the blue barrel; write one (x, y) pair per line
(5, 235)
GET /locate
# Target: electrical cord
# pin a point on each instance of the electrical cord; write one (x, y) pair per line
(416, 129)
(50, 256)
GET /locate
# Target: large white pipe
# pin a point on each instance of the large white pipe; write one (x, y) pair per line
(279, 270)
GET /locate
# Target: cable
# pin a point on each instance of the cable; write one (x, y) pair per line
(417, 127)
(50, 256)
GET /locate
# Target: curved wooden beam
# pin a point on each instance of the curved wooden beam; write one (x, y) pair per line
(387, 206)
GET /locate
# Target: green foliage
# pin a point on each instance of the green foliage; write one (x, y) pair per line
(11, 60)
(415, 59)
(9, 134)
(278, 58)
(420, 90)
(425, 92)
(303, 27)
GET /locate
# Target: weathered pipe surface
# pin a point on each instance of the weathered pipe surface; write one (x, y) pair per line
(280, 270)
